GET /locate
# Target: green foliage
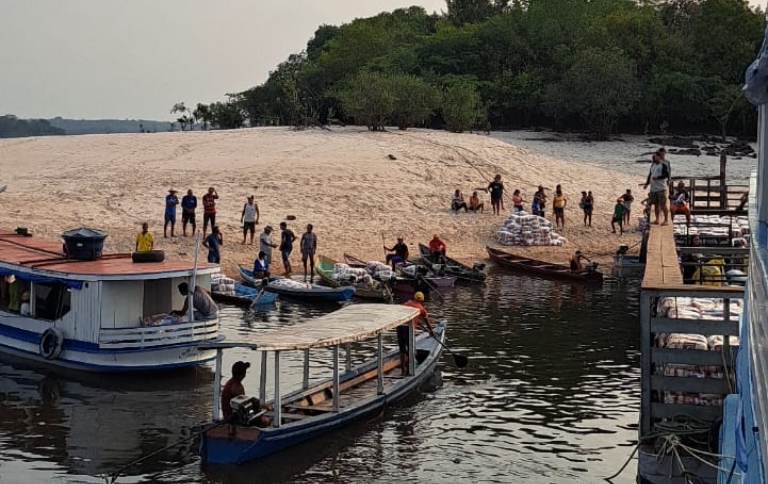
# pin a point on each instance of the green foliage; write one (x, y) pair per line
(13, 127)
(228, 115)
(461, 107)
(593, 65)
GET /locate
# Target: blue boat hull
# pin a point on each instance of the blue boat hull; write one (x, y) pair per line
(318, 293)
(244, 444)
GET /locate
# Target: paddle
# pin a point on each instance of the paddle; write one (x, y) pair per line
(460, 361)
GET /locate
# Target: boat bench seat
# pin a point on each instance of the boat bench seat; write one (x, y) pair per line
(326, 407)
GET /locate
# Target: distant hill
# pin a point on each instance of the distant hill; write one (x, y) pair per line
(107, 126)
(13, 127)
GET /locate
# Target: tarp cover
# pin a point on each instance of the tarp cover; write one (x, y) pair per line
(40, 279)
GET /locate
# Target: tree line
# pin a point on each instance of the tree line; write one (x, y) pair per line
(13, 127)
(600, 66)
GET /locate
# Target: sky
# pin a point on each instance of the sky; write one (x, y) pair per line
(130, 59)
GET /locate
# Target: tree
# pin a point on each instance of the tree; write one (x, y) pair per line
(369, 99)
(228, 115)
(203, 113)
(461, 107)
(723, 103)
(599, 88)
(180, 108)
(414, 100)
(474, 11)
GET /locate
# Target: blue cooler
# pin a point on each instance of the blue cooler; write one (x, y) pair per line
(83, 243)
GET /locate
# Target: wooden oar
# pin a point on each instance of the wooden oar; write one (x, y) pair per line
(461, 361)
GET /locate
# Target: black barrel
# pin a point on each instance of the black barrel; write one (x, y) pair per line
(83, 243)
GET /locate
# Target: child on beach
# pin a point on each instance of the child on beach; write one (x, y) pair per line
(517, 201)
(618, 216)
(457, 202)
(475, 204)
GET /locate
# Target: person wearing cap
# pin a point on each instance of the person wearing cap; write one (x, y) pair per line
(576, 265)
(308, 247)
(266, 244)
(403, 337)
(437, 249)
(209, 209)
(171, 200)
(213, 243)
(144, 239)
(261, 266)
(203, 306)
(287, 238)
(249, 218)
(235, 388)
(188, 206)
(400, 250)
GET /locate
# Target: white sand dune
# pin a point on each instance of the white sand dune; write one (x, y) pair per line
(341, 181)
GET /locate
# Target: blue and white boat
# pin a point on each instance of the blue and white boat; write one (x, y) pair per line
(310, 292)
(104, 314)
(350, 394)
(245, 296)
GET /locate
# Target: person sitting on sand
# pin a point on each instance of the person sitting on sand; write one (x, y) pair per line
(517, 201)
(400, 250)
(679, 202)
(261, 266)
(576, 265)
(618, 216)
(144, 239)
(457, 202)
(475, 204)
(437, 249)
(203, 306)
(234, 388)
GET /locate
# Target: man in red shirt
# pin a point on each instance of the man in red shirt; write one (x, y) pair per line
(403, 339)
(437, 249)
(234, 388)
(209, 209)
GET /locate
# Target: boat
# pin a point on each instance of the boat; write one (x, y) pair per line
(309, 291)
(90, 311)
(245, 296)
(353, 393)
(541, 268)
(452, 267)
(376, 290)
(404, 282)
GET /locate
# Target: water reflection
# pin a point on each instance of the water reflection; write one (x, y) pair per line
(550, 394)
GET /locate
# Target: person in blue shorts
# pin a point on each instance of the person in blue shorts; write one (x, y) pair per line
(213, 243)
(171, 201)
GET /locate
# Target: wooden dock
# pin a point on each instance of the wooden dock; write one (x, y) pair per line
(663, 279)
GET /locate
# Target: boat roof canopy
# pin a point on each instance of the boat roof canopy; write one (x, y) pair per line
(350, 324)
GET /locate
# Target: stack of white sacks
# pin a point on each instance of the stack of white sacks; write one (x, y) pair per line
(524, 229)
(697, 309)
(222, 284)
(715, 227)
(374, 269)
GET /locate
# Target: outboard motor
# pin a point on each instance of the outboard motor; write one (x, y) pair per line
(478, 267)
(246, 410)
(591, 267)
(623, 249)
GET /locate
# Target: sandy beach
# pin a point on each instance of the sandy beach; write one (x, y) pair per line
(341, 181)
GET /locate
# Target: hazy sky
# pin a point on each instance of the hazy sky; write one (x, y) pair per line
(136, 58)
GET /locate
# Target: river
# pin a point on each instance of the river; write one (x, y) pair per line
(551, 394)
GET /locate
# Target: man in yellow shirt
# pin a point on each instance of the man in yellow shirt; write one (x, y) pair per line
(144, 240)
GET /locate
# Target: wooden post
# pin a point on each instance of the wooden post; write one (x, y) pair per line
(380, 364)
(263, 378)
(347, 358)
(336, 379)
(723, 185)
(411, 350)
(276, 402)
(305, 382)
(217, 386)
(645, 364)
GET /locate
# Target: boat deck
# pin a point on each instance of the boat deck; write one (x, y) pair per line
(47, 255)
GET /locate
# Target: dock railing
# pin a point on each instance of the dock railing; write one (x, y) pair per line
(665, 394)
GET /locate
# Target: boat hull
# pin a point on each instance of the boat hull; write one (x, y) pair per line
(537, 268)
(316, 293)
(245, 296)
(230, 444)
(454, 268)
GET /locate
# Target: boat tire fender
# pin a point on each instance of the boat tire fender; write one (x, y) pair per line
(51, 343)
(148, 256)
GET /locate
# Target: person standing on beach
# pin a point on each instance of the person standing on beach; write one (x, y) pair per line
(587, 204)
(287, 237)
(657, 179)
(539, 202)
(209, 209)
(171, 200)
(308, 249)
(213, 243)
(188, 206)
(266, 244)
(618, 216)
(496, 189)
(558, 204)
(144, 239)
(249, 218)
(627, 200)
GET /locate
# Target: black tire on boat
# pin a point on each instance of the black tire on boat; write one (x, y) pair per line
(149, 256)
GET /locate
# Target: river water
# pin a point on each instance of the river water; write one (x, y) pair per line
(551, 394)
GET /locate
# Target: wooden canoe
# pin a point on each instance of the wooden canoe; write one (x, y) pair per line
(540, 268)
(244, 297)
(453, 267)
(379, 291)
(403, 282)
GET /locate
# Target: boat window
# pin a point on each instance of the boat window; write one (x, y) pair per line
(52, 300)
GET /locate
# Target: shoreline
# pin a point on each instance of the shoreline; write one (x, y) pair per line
(343, 181)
